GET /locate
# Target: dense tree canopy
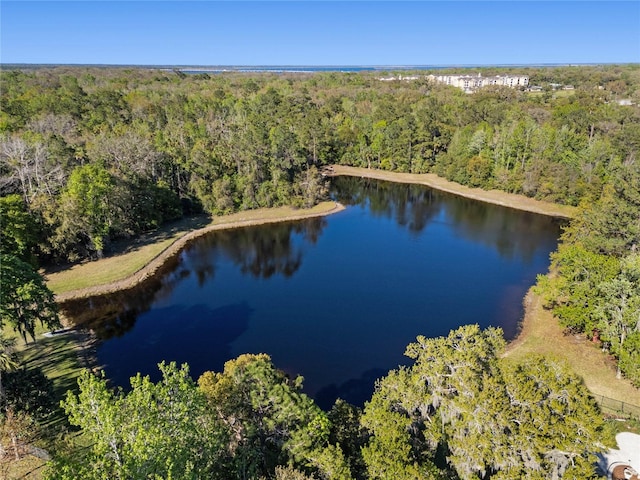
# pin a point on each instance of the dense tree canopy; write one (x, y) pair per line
(244, 423)
(269, 421)
(160, 145)
(91, 155)
(18, 229)
(594, 288)
(160, 430)
(489, 417)
(459, 412)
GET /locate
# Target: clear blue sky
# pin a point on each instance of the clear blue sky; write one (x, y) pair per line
(319, 32)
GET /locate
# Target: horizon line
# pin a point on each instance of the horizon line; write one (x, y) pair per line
(275, 65)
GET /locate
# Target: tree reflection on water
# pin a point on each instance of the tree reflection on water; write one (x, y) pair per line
(260, 251)
(334, 299)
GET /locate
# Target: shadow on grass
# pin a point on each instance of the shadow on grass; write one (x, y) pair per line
(161, 234)
(58, 358)
(133, 244)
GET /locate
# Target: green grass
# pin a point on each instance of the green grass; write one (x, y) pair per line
(624, 425)
(554, 93)
(27, 468)
(58, 358)
(127, 258)
(563, 93)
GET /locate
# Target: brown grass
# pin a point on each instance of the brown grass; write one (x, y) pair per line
(496, 197)
(542, 334)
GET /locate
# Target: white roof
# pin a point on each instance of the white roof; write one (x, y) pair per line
(628, 453)
(629, 444)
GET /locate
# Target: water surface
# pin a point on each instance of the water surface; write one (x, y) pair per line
(334, 299)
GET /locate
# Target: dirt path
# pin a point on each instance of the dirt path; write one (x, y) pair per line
(495, 197)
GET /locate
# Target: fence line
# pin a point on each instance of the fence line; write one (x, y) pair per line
(618, 407)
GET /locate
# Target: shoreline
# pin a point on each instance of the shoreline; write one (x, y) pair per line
(150, 268)
(157, 262)
(495, 197)
(539, 332)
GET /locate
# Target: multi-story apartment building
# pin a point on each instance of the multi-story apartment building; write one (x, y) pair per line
(470, 83)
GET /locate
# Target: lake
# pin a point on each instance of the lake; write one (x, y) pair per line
(334, 299)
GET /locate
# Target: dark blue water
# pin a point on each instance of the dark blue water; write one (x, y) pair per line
(334, 299)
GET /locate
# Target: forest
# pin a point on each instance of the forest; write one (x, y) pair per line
(90, 156)
(100, 154)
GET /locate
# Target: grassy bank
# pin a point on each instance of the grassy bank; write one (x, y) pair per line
(133, 262)
(125, 258)
(495, 197)
(63, 357)
(542, 334)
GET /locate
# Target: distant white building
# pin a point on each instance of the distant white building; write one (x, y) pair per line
(471, 83)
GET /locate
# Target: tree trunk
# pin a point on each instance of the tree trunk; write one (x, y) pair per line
(622, 339)
(14, 442)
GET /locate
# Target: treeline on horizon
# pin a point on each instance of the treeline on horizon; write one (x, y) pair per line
(89, 156)
(100, 154)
